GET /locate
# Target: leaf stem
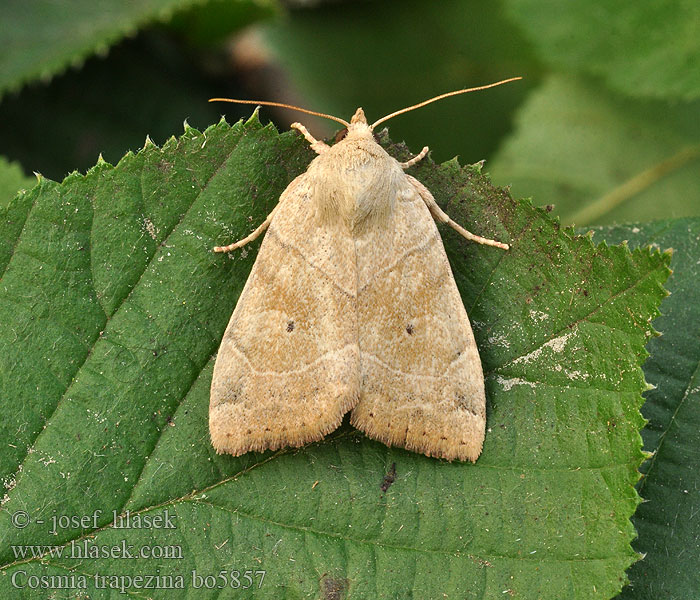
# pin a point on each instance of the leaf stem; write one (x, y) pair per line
(633, 186)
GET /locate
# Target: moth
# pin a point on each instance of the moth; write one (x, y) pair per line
(351, 305)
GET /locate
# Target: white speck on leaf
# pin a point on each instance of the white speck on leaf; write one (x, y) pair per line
(557, 345)
(509, 383)
(499, 340)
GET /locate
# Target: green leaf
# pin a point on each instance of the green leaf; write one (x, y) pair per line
(12, 180)
(645, 49)
(41, 38)
(600, 159)
(666, 521)
(117, 303)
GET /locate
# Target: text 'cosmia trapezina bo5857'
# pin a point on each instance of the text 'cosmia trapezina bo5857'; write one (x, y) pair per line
(351, 306)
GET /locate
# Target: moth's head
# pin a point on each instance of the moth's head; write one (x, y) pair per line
(358, 118)
(357, 128)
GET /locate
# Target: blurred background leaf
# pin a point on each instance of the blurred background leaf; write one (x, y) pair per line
(602, 158)
(645, 49)
(41, 38)
(12, 179)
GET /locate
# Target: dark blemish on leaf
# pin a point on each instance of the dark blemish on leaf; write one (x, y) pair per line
(389, 478)
(549, 207)
(290, 326)
(333, 588)
(164, 166)
(409, 329)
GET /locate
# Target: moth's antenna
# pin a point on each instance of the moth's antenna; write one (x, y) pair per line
(440, 97)
(264, 103)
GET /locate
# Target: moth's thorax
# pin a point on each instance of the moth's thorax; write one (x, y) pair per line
(355, 182)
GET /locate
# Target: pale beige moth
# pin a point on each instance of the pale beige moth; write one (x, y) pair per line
(351, 305)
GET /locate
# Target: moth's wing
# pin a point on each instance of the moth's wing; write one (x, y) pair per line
(422, 383)
(288, 365)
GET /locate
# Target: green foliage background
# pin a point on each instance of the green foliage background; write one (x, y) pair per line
(604, 128)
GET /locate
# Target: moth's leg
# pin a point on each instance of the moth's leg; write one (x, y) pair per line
(440, 215)
(317, 146)
(415, 159)
(250, 238)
